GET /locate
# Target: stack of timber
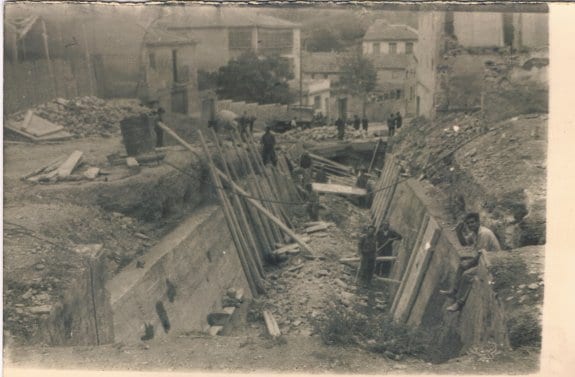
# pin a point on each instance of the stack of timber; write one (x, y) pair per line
(254, 207)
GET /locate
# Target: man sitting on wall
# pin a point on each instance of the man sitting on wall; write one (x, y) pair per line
(470, 233)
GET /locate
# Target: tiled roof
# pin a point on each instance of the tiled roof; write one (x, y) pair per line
(380, 30)
(223, 16)
(156, 36)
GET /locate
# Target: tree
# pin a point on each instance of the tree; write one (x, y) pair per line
(358, 77)
(252, 78)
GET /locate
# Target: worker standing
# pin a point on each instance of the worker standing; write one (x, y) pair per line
(340, 124)
(268, 147)
(390, 125)
(367, 250)
(385, 238)
(356, 122)
(312, 203)
(364, 123)
(398, 121)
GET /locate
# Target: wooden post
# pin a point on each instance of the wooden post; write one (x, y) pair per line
(262, 193)
(240, 212)
(265, 231)
(269, 215)
(374, 155)
(253, 281)
(88, 65)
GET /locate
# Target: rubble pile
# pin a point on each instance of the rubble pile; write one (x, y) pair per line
(86, 116)
(320, 134)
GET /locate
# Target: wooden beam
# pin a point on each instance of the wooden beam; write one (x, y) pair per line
(331, 188)
(271, 324)
(267, 213)
(357, 259)
(70, 164)
(242, 219)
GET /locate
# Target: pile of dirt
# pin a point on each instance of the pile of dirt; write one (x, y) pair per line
(320, 134)
(86, 116)
(498, 170)
(518, 281)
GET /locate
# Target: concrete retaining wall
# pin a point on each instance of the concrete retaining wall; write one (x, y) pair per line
(198, 258)
(482, 319)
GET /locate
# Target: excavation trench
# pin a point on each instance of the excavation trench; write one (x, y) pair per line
(181, 280)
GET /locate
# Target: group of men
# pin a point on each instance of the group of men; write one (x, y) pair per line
(374, 243)
(358, 123)
(394, 123)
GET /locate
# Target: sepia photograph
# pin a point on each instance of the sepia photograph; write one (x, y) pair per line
(352, 188)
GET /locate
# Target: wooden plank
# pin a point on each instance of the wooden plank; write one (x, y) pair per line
(92, 173)
(330, 188)
(267, 213)
(330, 162)
(57, 136)
(37, 126)
(271, 324)
(46, 168)
(419, 261)
(406, 271)
(286, 248)
(316, 228)
(70, 164)
(357, 259)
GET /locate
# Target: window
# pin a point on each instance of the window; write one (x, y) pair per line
(376, 48)
(398, 93)
(316, 102)
(393, 48)
(409, 48)
(152, 59)
(240, 39)
(275, 41)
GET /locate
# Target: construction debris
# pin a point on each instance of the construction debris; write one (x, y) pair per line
(338, 189)
(80, 117)
(271, 324)
(70, 164)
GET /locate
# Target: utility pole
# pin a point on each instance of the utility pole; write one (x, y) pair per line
(301, 50)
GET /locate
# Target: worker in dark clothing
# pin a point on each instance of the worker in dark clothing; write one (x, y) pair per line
(268, 147)
(367, 250)
(243, 125)
(340, 124)
(305, 161)
(398, 121)
(155, 115)
(364, 123)
(481, 239)
(390, 125)
(356, 122)
(312, 203)
(321, 176)
(385, 237)
(363, 182)
(251, 121)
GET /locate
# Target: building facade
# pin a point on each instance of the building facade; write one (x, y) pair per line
(392, 48)
(225, 33)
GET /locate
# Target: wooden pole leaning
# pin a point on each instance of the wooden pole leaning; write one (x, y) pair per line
(245, 226)
(254, 281)
(269, 215)
(263, 226)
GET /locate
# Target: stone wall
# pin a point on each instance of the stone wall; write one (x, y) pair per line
(199, 260)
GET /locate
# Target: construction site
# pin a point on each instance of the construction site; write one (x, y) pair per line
(152, 230)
